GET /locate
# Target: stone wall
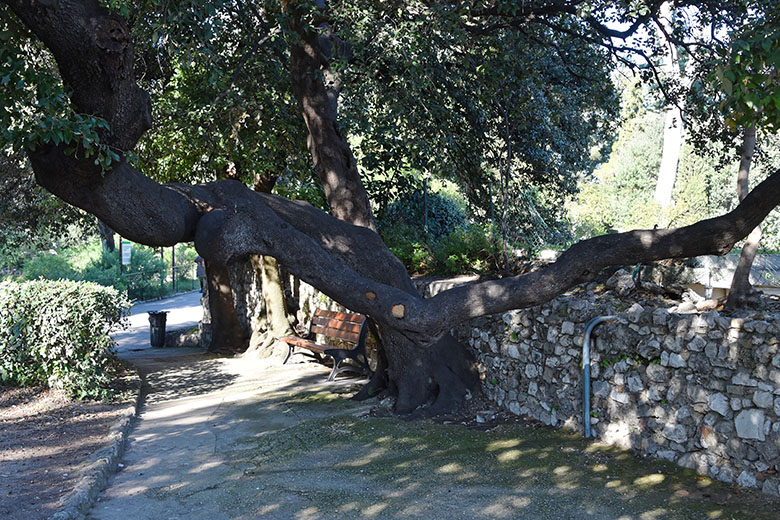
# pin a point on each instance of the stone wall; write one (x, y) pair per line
(701, 390)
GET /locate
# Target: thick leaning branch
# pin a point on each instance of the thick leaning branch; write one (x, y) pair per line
(94, 54)
(585, 259)
(340, 259)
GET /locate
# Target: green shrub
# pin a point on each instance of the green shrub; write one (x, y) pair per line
(49, 266)
(466, 250)
(444, 214)
(56, 333)
(141, 279)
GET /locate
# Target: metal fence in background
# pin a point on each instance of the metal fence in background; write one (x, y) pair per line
(146, 285)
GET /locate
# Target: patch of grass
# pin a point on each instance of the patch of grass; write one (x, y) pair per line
(412, 460)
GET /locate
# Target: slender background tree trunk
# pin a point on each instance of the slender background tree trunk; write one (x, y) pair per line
(673, 124)
(742, 292)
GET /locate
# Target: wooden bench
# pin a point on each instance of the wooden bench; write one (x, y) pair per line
(346, 327)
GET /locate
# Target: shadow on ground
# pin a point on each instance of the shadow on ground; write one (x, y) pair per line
(276, 442)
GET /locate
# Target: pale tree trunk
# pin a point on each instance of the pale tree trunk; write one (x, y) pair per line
(742, 293)
(673, 124)
(265, 342)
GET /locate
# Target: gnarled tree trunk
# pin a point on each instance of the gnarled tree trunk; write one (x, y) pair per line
(349, 263)
(265, 342)
(227, 333)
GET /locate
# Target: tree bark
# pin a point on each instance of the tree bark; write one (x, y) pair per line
(430, 378)
(106, 236)
(742, 293)
(316, 88)
(227, 333)
(265, 342)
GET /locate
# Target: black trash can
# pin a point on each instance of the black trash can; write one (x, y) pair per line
(157, 328)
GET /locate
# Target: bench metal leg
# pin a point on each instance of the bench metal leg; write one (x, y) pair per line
(289, 353)
(339, 357)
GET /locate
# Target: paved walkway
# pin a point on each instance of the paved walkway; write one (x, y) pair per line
(230, 438)
(184, 310)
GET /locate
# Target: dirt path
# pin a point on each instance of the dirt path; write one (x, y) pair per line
(44, 439)
(232, 439)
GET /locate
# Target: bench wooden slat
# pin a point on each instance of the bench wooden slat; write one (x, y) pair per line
(343, 316)
(335, 333)
(305, 343)
(337, 324)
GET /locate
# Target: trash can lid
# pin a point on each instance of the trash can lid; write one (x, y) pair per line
(156, 313)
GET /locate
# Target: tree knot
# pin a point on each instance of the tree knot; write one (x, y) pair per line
(111, 35)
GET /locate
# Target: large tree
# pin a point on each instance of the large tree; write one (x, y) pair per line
(338, 253)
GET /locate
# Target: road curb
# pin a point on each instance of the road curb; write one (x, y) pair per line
(99, 466)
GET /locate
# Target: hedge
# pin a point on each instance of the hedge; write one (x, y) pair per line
(56, 333)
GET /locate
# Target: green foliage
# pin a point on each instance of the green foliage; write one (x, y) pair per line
(146, 277)
(427, 95)
(50, 267)
(32, 219)
(620, 196)
(223, 104)
(750, 76)
(36, 108)
(57, 334)
(465, 250)
(444, 214)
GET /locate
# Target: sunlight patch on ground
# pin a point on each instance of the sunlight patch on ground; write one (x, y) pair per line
(310, 513)
(374, 509)
(562, 470)
(503, 444)
(655, 514)
(206, 466)
(374, 456)
(265, 510)
(599, 468)
(349, 506)
(452, 467)
(411, 510)
(509, 456)
(506, 508)
(411, 488)
(649, 480)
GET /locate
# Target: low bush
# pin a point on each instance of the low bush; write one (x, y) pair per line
(465, 250)
(147, 277)
(56, 333)
(49, 266)
(444, 214)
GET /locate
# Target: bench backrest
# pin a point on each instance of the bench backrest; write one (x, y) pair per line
(339, 325)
